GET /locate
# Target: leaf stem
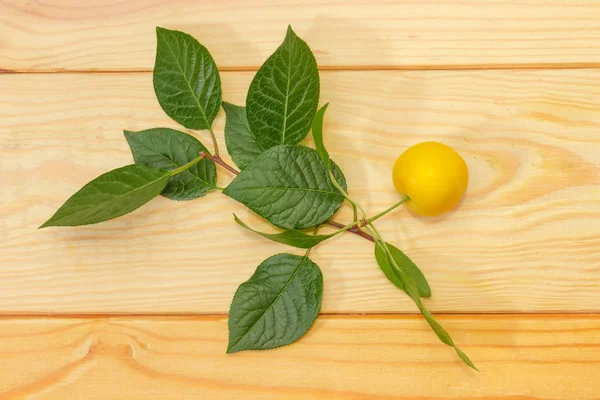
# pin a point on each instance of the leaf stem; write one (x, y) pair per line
(214, 140)
(343, 193)
(356, 225)
(355, 213)
(218, 160)
(186, 166)
(315, 231)
(381, 214)
(355, 205)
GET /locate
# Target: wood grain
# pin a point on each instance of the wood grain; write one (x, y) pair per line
(525, 239)
(119, 35)
(520, 357)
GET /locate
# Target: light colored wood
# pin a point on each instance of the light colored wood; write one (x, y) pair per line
(525, 239)
(119, 35)
(520, 357)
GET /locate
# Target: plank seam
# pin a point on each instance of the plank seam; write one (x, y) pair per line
(328, 314)
(465, 67)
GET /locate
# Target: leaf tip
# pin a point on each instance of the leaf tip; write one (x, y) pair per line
(227, 106)
(465, 358)
(471, 365)
(290, 34)
(50, 222)
(231, 349)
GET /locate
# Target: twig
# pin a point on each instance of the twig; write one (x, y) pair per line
(355, 229)
(218, 160)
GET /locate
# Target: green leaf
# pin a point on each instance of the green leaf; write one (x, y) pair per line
(290, 237)
(407, 266)
(111, 195)
(186, 80)
(277, 305)
(413, 292)
(283, 96)
(288, 186)
(465, 358)
(317, 131)
(168, 149)
(442, 334)
(241, 142)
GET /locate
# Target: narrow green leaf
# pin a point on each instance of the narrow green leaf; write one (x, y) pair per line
(168, 149)
(407, 266)
(186, 80)
(111, 195)
(441, 333)
(283, 96)
(413, 292)
(317, 131)
(241, 142)
(289, 186)
(465, 358)
(277, 305)
(290, 237)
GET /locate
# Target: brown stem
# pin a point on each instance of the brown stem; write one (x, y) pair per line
(355, 229)
(218, 160)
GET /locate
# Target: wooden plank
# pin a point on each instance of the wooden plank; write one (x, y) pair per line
(525, 239)
(119, 35)
(520, 357)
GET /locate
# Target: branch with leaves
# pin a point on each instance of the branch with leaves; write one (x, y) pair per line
(294, 187)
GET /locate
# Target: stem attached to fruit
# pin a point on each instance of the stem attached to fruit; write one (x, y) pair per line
(366, 221)
(405, 198)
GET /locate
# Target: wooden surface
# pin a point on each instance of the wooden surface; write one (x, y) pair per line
(520, 357)
(530, 221)
(119, 35)
(513, 86)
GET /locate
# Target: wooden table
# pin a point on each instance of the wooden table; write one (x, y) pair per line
(136, 308)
